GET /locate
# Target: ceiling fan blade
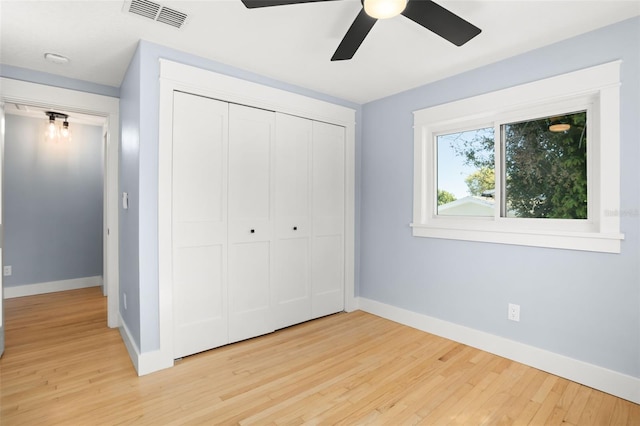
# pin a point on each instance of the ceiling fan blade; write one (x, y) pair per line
(251, 4)
(441, 21)
(354, 36)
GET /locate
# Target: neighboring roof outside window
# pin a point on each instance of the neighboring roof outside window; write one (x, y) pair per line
(468, 206)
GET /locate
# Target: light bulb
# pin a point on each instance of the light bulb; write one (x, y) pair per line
(65, 129)
(52, 128)
(383, 9)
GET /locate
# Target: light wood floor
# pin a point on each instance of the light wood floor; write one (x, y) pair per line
(62, 365)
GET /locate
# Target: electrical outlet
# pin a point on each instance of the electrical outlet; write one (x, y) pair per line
(514, 312)
(7, 271)
(124, 297)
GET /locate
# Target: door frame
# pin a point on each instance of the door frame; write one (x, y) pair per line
(40, 95)
(2, 131)
(175, 76)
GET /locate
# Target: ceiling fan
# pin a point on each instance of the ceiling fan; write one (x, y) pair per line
(424, 12)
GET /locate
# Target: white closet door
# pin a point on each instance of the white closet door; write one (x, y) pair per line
(291, 295)
(328, 188)
(199, 214)
(251, 137)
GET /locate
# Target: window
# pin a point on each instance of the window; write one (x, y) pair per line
(545, 167)
(466, 173)
(536, 164)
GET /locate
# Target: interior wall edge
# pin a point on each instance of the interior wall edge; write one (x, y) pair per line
(143, 363)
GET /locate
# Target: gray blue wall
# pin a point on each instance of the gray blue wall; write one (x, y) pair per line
(579, 304)
(139, 109)
(128, 220)
(52, 202)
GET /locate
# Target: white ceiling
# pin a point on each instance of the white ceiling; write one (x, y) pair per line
(292, 43)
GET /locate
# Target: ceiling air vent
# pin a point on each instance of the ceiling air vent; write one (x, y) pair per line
(157, 12)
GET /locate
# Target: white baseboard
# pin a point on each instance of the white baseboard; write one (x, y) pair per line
(51, 286)
(144, 363)
(609, 381)
(129, 343)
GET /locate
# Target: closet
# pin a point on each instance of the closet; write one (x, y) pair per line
(258, 221)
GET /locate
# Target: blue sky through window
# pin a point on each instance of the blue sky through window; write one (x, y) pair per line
(452, 169)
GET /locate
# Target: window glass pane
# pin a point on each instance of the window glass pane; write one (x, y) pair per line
(546, 167)
(466, 173)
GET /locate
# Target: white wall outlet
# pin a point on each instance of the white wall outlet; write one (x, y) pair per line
(124, 300)
(514, 312)
(7, 271)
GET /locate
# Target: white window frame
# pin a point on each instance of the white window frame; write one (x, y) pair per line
(596, 90)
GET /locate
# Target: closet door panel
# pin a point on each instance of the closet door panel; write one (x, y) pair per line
(328, 179)
(293, 142)
(292, 292)
(328, 275)
(249, 293)
(251, 140)
(247, 230)
(199, 223)
(195, 234)
(202, 317)
(327, 251)
(292, 287)
(251, 132)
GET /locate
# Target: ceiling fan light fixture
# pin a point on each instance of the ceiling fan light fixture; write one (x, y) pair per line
(559, 127)
(559, 124)
(383, 9)
(425, 13)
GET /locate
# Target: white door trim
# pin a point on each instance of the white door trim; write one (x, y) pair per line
(179, 77)
(40, 95)
(1, 227)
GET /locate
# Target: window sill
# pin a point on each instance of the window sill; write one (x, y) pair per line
(585, 241)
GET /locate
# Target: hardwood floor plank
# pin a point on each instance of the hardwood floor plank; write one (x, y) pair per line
(547, 405)
(589, 414)
(577, 406)
(63, 366)
(634, 413)
(604, 413)
(482, 406)
(620, 414)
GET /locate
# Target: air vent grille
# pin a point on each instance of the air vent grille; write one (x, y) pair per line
(157, 12)
(145, 8)
(171, 17)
